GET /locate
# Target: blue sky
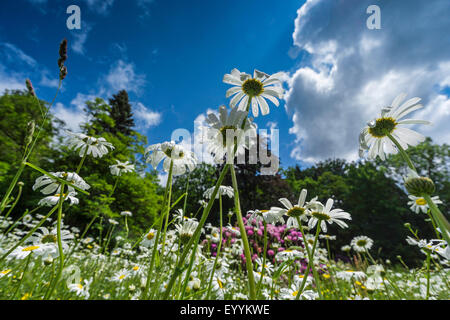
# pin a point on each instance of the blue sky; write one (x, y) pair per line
(171, 56)
(174, 53)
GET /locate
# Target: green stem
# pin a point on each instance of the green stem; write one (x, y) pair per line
(169, 197)
(82, 161)
(428, 274)
(218, 249)
(196, 235)
(402, 152)
(158, 234)
(310, 263)
(60, 247)
(15, 202)
(248, 258)
(263, 270)
(441, 221)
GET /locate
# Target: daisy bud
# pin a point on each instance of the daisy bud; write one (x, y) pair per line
(420, 186)
(20, 184)
(30, 87)
(407, 225)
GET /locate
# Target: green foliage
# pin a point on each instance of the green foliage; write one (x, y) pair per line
(137, 192)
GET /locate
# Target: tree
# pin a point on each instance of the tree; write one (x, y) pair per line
(121, 113)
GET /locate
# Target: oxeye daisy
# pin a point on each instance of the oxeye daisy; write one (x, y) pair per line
(361, 243)
(170, 151)
(269, 216)
(121, 167)
(226, 132)
(300, 210)
(98, 147)
(418, 204)
(322, 214)
(126, 214)
(292, 292)
(259, 88)
(223, 190)
(51, 201)
(22, 252)
(52, 185)
(44, 236)
(375, 138)
(81, 289)
(121, 275)
(186, 230)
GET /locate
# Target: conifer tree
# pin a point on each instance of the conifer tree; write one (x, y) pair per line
(121, 113)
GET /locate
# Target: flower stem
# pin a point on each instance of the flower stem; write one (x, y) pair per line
(60, 247)
(196, 235)
(218, 249)
(248, 258)
(310, 264)
(158, 234)
(402, 152)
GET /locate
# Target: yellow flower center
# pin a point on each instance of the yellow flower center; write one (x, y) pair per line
(421, 202)
(252, 87)
(122, 276)
(295, 211)
(136, 268)
(30, 248)
(383, 127)
(150, 235)
(294, 294)
(4, 272)
(220, 284)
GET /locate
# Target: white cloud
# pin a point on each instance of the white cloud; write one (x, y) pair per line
(73, 116)
(352, 71)
(13, 54)
(100, 6)
(145, 118)
(80, 37)
(122, 75)
(10, 80)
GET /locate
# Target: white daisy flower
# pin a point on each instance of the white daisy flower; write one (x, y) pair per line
(269, 216)
(170, 151)
(22, 252)
(121, 167)
(51, 201)
(52, 185)
(361, 243)
(98, 147)
(292, 292)
(418, 204)
(350, 274)
(126, 214)
(81, 290)
(44, 236)
(113, 222)
(223, 190)
(226, 131)
(186, 229)
(262, 86)
(374, 138)
(299, 210)
(321, 214)
(121, 275)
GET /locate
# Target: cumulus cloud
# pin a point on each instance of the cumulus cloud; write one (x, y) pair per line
(145, 118)
(122, 75)
(73, 115)
(350, 72)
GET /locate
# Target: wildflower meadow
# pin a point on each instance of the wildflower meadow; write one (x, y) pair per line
(100, 213)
